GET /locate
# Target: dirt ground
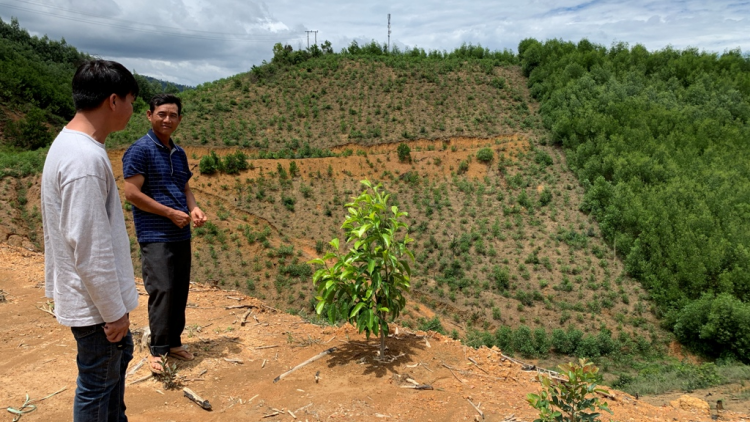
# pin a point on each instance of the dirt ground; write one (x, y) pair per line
(236, 366)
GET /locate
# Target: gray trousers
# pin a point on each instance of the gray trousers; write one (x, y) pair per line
(166, 276)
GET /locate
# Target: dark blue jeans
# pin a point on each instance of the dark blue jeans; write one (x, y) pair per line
(100, 395)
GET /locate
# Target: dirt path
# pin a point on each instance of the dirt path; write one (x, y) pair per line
(236, 365)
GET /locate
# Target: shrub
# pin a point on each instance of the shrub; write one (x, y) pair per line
(588, 347)
(561, 343)
(569, 401)
(501, 277)
(31, 131)
(485, 155)
(293, 169)
(542, 342)
(498, 82)
(523, 342)
(433, 324)
(234, 163)
(542, 158)
(209, 163)
(463, 167)
(545, 197)
(715, 325)
(504, 339)
(288, 202)
(404, 153)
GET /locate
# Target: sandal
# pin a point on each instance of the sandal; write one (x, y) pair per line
(181, 353)
(154, 362)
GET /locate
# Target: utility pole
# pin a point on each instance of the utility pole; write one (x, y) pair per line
(308, 37)
(389, 33)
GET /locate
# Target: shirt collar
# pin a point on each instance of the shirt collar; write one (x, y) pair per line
(153, 137)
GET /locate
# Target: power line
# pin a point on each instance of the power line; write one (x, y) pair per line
(112, 23)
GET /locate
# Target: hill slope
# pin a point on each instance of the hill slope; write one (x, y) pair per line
(504, 256)
(236, 365)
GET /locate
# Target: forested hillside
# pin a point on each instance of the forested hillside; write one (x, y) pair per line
(660, 142)
(36, 98)
(478, 147)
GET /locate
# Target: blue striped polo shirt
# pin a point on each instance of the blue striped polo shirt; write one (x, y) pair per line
(165, 172)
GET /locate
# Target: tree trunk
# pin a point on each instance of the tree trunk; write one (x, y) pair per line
(382, 344)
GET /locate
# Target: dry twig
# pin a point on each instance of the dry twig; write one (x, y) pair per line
(311, 360)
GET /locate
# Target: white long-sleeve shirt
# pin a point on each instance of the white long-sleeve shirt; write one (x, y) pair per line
(88, 270)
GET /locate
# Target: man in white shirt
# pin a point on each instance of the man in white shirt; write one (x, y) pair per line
(88, 269)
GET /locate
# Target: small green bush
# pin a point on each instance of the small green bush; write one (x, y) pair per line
(209, 163)
(570, 401)
(404, 153)
(485, 155)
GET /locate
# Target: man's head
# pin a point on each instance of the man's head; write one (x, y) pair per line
(165, 114)
(102, 86)
(97, 80)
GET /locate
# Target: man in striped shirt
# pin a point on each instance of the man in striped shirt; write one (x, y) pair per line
(156, 183)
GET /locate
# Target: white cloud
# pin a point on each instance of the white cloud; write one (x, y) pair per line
(193, 41)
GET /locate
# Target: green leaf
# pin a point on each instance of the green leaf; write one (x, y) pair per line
(356, 309)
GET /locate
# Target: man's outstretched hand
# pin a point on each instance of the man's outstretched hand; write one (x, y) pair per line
(116, 330)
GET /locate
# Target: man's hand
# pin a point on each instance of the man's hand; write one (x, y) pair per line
(115, 331)
(179, 218)
(198, 217)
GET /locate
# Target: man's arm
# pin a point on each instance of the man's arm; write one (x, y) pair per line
(196, 213)
(144, 202)
(84, 225)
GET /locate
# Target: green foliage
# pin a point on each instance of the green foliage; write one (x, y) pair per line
(433, 324)
(366, 285)
(37, 71)
(404, 153)
(717, 326)
(498, 83)
(20, 164)
(573, 400)
(293, 169)
(210, 163)
(31, 132)
(485, 155)
(670, 191)
(288, 202)
(233, 163)
(659, 377)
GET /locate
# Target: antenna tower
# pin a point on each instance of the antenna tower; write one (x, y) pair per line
(389, 33)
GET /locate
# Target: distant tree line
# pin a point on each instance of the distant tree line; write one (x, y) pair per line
(285, 55)
(660, 142)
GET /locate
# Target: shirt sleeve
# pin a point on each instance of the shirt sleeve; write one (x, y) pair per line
(84, 224)
(134, 162)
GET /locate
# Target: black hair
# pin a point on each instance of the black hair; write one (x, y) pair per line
(161, 99)
(96, 80)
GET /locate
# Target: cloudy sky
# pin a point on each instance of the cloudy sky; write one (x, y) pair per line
(194, 41)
